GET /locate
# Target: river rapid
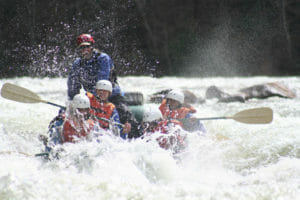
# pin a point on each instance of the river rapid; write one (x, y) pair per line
(250, 162)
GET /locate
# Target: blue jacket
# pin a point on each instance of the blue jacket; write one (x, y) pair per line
(86, 73)
(116, 118)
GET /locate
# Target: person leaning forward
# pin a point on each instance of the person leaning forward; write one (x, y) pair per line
(104, 110)
(79, 124)
(170, 135)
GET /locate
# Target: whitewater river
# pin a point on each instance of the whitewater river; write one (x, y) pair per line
(252, 162)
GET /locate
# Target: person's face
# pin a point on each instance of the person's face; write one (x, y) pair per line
(83, 112)
(86, 51)
(173, 104)
(103, 94)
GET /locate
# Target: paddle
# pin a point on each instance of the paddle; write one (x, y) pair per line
(23, 95)
(263, 115)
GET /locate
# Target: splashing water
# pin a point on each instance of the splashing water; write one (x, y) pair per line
(249, 162)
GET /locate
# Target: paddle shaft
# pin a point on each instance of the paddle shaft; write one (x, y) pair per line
(54, 104)
(99, 118)
(212, 118)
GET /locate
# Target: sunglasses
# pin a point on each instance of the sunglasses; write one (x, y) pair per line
(84, 46)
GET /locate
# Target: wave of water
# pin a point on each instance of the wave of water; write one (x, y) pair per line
(249, 162)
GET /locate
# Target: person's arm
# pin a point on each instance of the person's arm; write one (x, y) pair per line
(193, 124)
(116, 118)
(55, 134)
(189, 115)
(73, 82)
(105, 65)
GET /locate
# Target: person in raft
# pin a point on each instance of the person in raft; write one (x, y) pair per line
(90, 67)
(105, 111)
(170, 134)
(74, 124)
(173, 107)
(79, 124)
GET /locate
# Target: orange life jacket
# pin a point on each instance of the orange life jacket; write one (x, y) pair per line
(72, 129)
(179, 113)
(101, 110)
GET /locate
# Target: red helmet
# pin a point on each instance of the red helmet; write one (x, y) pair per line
(85, 39)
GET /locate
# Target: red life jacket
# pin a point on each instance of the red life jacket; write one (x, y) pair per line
(72, 129)
(162, 126)
(167, 141)
(101, 110)
(179, 113)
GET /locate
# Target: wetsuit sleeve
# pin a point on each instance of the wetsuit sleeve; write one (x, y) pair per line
(106, 64)
(55, 133)
(73, 82)
(116, 118)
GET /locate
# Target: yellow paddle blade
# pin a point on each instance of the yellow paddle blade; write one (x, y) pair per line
(20, 94)
(262, 115)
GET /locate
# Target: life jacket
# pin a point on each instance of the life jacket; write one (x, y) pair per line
(162, 126)
(101, 110)
(72, 129)
(179, 113)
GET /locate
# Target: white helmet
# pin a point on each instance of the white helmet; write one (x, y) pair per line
(151, 114)
(175, 95)
(80, 101)
(104, 85)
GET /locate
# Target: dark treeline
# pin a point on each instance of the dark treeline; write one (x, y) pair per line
(153, 37)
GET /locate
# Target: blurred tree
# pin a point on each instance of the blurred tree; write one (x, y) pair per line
(153, 37)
